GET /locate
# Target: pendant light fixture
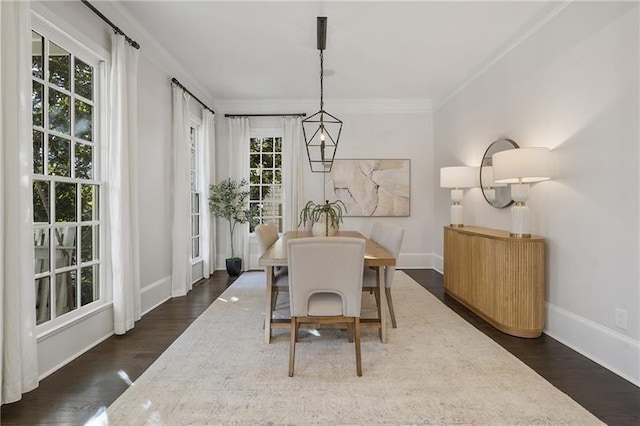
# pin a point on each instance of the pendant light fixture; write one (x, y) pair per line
(321, 130)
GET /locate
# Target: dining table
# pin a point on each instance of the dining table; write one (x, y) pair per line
(375, 256)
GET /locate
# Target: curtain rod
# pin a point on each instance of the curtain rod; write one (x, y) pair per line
(117, 30)
(295, 114)
(175, 81)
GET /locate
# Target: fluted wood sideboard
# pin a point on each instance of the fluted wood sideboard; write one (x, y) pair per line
(498, 277)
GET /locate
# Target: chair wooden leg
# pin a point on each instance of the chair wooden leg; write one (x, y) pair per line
(350, 331)
(391, 311)
(377, 295)
(356, 326)
(274, 300)
(292, 345)
(378, 304)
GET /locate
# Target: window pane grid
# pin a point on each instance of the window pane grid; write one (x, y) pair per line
(67, 225)
(66, 179)
(196, 192)
(265, 179)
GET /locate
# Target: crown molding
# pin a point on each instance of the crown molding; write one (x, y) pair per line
(345, 106)
(517, 42)
(153, 50)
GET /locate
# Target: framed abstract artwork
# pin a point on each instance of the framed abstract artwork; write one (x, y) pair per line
(371, 187)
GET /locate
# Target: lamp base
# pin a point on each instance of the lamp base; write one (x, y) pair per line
(456, 225)
(457, 214)
(520, 220)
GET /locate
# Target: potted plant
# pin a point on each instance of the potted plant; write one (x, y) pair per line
(325, 218)
(228, 200)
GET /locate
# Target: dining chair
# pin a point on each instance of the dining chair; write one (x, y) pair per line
(375, 231)
(325, 286)
(390, 238)
(267, 234)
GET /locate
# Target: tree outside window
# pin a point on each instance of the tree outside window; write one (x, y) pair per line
(265, 180)
(66, 193)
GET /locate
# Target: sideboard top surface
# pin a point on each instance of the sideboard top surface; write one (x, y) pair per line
(492, 233)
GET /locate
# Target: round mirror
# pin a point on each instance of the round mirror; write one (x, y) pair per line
(498, 195)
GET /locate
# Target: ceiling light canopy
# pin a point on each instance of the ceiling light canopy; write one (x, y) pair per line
(321, 130)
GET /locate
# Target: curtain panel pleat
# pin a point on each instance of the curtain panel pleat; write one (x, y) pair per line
(181, 229)
(294, 165)
(239, 134)
(122, 184)
(18, 346)
(207, 161)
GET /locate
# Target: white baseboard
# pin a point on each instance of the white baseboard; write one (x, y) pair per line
(74, 356)
(609, 348)
(68, 343)
(155, 294)
(416, 261)
(612, 350)
(437, 263)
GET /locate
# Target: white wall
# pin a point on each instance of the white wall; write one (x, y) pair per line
(384, 129)
(571, 86)
(394, 135)
(156, 68)
(154, 129)
(64, 343)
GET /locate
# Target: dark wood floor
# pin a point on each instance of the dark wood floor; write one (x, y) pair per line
(86, 386)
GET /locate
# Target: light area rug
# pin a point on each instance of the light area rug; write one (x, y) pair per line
(435, 369)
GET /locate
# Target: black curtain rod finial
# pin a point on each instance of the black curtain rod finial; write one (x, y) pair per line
(117, 30)
(177, 83)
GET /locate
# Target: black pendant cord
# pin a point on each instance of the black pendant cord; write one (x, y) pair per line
(117, 30)
(324, 187)
(177, 83)
(324, 175)
(321, 80)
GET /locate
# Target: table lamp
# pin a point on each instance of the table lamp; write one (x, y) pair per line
(458, 178)
(520, 167)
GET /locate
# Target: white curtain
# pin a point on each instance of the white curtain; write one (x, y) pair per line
(122, 184)
(239, 134)
(294, 165)
(207, 161)
(18, 348)
(181, 263)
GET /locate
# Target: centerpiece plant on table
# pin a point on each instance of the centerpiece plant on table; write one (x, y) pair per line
(325, 218)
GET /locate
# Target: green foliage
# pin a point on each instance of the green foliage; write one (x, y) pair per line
(229, 200)
(314, 212)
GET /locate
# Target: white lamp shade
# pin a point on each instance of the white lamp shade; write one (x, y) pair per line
(486, 177)
(459, 177)
(524, 165)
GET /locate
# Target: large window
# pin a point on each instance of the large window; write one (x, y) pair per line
(196, 192)
(265, 179)
(66, 185)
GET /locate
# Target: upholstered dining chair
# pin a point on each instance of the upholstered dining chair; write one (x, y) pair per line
(267, 234)
(375, 231)
(325, 286)
(390, 237)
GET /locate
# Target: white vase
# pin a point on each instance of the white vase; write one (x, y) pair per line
(319, 229)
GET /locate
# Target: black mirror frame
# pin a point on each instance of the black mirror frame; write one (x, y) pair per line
(486, 162)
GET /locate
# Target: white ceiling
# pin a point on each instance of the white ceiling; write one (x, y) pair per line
(378, 50)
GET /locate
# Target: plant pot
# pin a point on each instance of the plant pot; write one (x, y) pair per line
(319, 229)
(234, 266)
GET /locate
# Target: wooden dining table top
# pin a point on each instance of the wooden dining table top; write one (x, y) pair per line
(374, 254)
